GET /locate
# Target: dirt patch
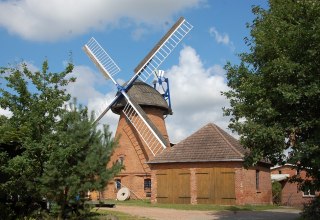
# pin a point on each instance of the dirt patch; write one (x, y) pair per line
(173, 214)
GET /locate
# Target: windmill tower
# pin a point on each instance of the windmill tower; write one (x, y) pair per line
(141, 127)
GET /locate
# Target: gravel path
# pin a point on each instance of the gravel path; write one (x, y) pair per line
(172, 214)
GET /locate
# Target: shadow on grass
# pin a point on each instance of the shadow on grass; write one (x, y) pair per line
(238, 208)
(256, 215)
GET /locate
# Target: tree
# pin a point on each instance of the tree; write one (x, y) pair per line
(77, 161)
(44, 146)
(275, 90)
(35, 101)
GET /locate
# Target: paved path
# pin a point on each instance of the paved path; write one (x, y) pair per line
(173, 214)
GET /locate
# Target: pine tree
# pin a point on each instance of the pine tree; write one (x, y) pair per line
(77, 161)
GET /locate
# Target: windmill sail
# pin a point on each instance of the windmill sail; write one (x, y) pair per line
(144, 126)
(162, 49)
(104, 111)
(105, 64)
(101, 59)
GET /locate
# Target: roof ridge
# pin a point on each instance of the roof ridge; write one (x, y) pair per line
(224, 138)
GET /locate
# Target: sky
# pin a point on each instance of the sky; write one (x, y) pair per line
(32, 31)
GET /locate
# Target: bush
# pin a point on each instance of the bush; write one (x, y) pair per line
(276, 193)
(311, 210)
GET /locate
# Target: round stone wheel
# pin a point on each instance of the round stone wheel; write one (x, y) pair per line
(123, 194)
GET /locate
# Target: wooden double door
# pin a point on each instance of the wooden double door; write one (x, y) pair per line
(212, 186)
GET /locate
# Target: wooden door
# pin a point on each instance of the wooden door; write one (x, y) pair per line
(215, 186)
(173, 186)
(162, 187)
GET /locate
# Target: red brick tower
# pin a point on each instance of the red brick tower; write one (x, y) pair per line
(132, 150)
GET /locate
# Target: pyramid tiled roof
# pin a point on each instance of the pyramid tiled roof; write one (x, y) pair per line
(209, 143)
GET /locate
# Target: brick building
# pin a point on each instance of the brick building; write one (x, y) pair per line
(132, 151)
(207, 167)
(290, 194)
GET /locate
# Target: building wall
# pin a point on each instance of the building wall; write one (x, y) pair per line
(245, 180)
(248, 191)
(135, 154)
(291, 195)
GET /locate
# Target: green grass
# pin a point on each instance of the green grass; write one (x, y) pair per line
(104, 214)
(107, 215)
(204, 207)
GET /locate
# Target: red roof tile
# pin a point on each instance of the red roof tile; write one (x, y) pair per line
(209, 143)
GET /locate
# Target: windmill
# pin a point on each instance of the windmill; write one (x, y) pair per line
(148, 132)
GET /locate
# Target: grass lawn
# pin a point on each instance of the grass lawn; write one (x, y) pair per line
(207, 207)
(113, 215)
(204, 207)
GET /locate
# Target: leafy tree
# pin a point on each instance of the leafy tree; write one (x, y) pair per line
(275, 90)
(35, 101)
(47, 151)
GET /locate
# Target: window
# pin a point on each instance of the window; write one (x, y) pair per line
(118, 184)
(257, 179)
(147, 187)
(309, 191)
(120, 160)
(147, 184)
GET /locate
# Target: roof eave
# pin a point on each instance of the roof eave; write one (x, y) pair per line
(194, 161)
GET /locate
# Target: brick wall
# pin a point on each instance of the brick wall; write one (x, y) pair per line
(245, 181)
(247, 191)
(291, 195)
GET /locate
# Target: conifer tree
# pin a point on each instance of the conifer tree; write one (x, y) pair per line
(77, 161)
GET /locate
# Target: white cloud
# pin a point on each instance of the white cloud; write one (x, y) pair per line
(5, 112)
(85, 89)
(55, 19)
(86, 80)
(221, 38)
(138, 33)
(195, 96)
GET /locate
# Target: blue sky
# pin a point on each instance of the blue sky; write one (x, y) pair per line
(34, 30)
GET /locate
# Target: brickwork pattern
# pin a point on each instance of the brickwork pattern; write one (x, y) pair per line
(246, 186)
(135, 154)
(245, 180)
(291, 195)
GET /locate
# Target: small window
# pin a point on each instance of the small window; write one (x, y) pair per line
(120, 160)
(280, 171)
(257, 179)
(309, 191)
(118, 184)
(147, 184)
